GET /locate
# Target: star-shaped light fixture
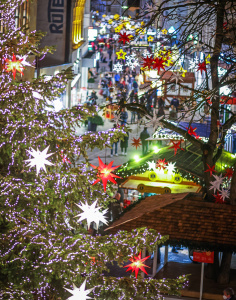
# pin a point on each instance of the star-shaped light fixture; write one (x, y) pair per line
(176, 145)
(136, 142)
(176, 76)
(229, 173)
(154, 121)
(161, 163)
(170, 168)
(121, 54)
(151, 165)
(39, 159)
(215, 185)
(211, 169)
(91, 214)
(104, 173)
(136, 264)
(79, 293)
(14, 65)
(202, 66)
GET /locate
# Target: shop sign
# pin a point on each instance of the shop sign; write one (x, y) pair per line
(203, 256)
(51, 18)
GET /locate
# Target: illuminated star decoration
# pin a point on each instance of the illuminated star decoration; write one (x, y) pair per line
(161, 163)
(147, 62)
(123, 37)
(176, 145)
(64, 158)
(164, 31)
(183, 71)
(176, 76)
(136, 264)
(202, 67)
(229, 173)
(14, 65)
(154, 121)
(79, 293)
(197, 48)
(151, 165)
(191, 131)
(150, 38)
(224, 193)
(117, 67)
(121, 54)
(210, 169)
(91, 214)
(104, 173)
(158, 63)
(136, 143)
(215, 185)
(218, 198)
(171, 167)
(39, 159)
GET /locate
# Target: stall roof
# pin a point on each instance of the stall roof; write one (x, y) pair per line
(185, 218)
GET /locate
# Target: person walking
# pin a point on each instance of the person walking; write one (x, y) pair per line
(143, 136)
(97, 65)
(115, 144)
(110, 65)
(124, 144)
(123, 117)
(161, 104)
(175, 103)
(135, 86)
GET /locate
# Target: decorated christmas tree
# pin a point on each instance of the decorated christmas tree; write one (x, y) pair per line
(49, 207)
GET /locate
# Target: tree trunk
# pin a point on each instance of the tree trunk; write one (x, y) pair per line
(223, 277)
(212, 270)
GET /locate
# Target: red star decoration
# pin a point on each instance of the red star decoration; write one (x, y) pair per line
(158, 63)
(147, 62)
(14, 65)
(210, 169)
(161, 163)
(176, 145)
(64, 158)
(191, 131)
(136, 142)
(123, 38)
(136, 264)
(229, 173)
(202, 67)
(104, 173)
(218, 198)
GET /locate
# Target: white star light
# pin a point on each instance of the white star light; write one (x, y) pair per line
(79, 293)
(171, 167)
(176, 76)
(197, 48)
(216, 183)
(39, 159)
(224, 193)
(151, 165)
(118, 67)
(24, 62)
(154, 121)
(92, 214)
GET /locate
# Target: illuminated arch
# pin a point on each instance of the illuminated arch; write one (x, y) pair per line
(77, 27)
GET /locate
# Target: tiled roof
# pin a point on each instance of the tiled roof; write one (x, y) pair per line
(184, 217)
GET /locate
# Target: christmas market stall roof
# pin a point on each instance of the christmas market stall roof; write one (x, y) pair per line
(186, 218)
(188, 162)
